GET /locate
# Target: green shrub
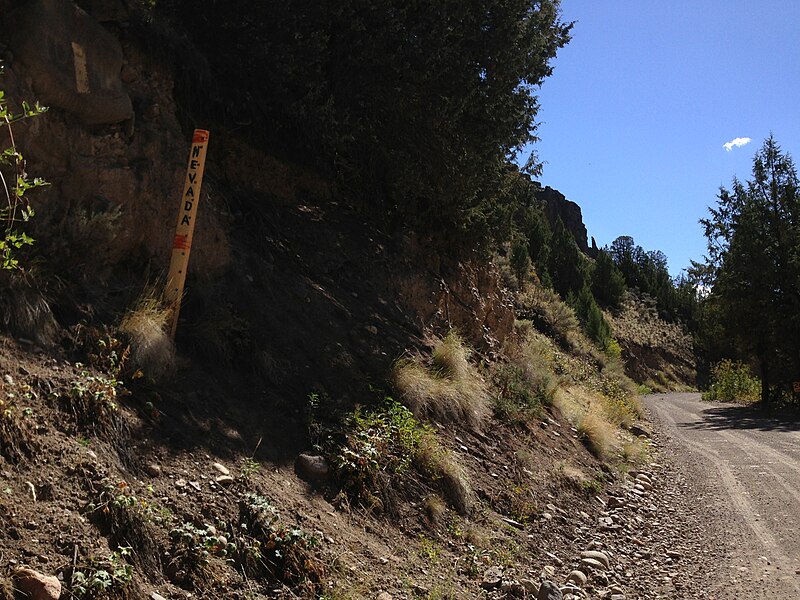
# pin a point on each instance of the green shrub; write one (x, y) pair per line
(376, 445)
(519, 260)
(613, 350)
(731, 381)
(523, 391)
(591, 317)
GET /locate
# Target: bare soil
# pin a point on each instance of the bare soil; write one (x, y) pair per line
(60, 476)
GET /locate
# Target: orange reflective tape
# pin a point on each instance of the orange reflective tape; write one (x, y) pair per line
(181, 242)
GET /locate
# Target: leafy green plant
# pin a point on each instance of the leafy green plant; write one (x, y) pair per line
(128, 520)
(731, 381)
(15, 183)
(100, 578)
(376, 445)
(191, 552)
(265, 546)
(592, 486)
(613, 349)
(248, 467)
(428, 549)
(92, 399)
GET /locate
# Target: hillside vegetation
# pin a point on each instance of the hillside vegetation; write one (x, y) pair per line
(399, 369)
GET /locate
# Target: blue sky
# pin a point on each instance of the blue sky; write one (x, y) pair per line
(641, 101)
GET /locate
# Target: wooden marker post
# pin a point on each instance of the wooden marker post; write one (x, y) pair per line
(187, 214)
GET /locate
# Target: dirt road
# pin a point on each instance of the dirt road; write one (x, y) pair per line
(743, 480)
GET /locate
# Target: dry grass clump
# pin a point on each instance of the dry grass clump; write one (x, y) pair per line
(597, 434)
(526, 381)
(6, 589)
(571, 477)
(587, 413)
(450, 358)
(551, 315)
(438, 464)
(24, 310)
(151, 348)
(435, 509)
(573, 403)
(635, 452)
(448, 388)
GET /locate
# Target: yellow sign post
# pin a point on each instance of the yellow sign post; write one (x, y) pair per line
(182, 243)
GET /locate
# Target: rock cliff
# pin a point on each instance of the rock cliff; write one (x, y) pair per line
(557, 206)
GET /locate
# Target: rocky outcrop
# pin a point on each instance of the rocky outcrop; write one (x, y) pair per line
(73, 62)
(556, 206)
(461, 295)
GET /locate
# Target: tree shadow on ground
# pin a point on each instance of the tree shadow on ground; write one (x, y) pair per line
(754, 417)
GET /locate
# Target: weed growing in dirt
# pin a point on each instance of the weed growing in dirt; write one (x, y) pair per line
(16, 431)
(191, 552)
(248, 467)
(592, 486)
(266, 547)
(92, 400)
(520, 503)
(128, 519)
(109, 577)
(428, 549)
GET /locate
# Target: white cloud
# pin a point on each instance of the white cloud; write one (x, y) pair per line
(736, 142)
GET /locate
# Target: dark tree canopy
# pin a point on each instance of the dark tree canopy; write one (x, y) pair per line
(415, 106)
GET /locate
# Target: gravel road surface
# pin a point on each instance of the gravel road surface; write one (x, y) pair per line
(739, 474)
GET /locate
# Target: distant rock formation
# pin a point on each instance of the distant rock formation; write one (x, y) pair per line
(557, 206)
